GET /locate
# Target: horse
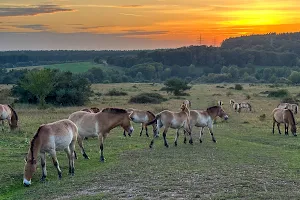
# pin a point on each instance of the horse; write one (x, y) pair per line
(91, 110)
(49, 138)
(187, 103)
(245, 105)
(175, 120)
(205, 118)
(9, 114)
(236, 107)
(231, 102)
(220, 103)
(143, 117)
(293, 107)
(99, 125)
(286, 117)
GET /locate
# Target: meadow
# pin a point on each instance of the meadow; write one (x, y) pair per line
(247, 162)
(76, 67)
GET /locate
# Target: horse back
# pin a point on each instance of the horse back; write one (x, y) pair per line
(86, 122)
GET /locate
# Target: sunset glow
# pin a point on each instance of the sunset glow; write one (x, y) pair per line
(142, 24)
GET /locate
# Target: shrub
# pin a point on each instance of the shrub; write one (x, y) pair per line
(279, 93)
(291, 99)
(247, 96)
(114, 92)
(262, 117)
(238, 87)
(142, 98)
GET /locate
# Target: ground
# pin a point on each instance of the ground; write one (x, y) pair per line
(247, 162)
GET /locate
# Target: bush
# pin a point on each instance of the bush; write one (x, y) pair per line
(247, 96)
(279, 93)
(292, 100)
(115, 92)
(238, 87)
(228, 93)
(262, 117)
(142, 98)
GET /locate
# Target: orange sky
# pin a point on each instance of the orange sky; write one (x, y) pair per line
(120, 24)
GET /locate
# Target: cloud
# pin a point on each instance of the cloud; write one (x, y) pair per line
(31, 10)
(129, 14)
(131, 6)
(137, 33)
(37, 27)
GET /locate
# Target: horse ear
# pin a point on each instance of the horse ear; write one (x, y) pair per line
(129, 113)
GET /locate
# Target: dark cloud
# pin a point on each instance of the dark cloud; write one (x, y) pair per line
(31, 10)
(38, 27)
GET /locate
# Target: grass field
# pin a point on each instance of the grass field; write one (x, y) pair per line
(77, 67)
(247, 162)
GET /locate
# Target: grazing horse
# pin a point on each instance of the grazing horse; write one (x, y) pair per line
(143, 117)
(91, 110)
(49, 138)
(245, 105)
(175, 120)
(293, 107)
(286, 117)
(100, 124)
(231, 102)
(9, 114)
(204, 118)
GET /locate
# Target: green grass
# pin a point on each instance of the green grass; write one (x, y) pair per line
(247, 162)
(77, 67)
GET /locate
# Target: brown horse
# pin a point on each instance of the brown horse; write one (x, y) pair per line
(175, 120)
(9, 114)
(204, 118)
(91, 110)
(99, 125)
(286, 117)
(143, 117)
(49, 138)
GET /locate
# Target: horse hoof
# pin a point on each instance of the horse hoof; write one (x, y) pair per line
(295, 135)
(166, 145)
(191, 141)
(175, 144)
(102, 159)
(43, 179)
(150, 146)
(200, 141)
(147, 135)
(214, 141)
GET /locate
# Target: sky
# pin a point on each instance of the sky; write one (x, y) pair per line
(138, 24)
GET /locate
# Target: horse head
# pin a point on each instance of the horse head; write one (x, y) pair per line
(126, 123)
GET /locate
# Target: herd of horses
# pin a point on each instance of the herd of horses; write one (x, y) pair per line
(94, 122)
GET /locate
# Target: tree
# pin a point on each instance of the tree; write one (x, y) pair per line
(295, 77)
(176, 86)
(39, 83)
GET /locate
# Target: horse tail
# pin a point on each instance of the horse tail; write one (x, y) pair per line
(13, 111)
(292, 115)
(154, 120)
(151, 113)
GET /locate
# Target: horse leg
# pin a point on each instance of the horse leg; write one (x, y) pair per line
(184, 133)
(146, 131)
(273, 126)
(212, 134)
(286, 128)
(124, 133)
(191, 136)
(165, 137)
(43, 164)
(69, 155)
(101, 140)
(142, 130)
(80, 143)
(201, 133)
(55, 163)
(176, 137)
(73, 154)
(2, 125)
(278, 126)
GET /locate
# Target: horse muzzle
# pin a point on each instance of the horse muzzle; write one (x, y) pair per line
(226, 117)
(26, 182)
(130, 131)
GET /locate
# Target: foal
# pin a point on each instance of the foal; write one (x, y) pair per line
(286, 117)
(175, 120)
(9, 114)
(99, 125)
(143, 117)
(49, 138)
(204, 118)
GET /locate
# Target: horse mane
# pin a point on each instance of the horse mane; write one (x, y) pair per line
(293, 118)
(114, 110)
(151, 113)
(213, 107)
(32, 143)
(14, 112)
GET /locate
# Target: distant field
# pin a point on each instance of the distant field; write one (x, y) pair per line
(78, 67)
(247, 162)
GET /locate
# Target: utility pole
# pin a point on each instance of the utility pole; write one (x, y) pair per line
(200, 39)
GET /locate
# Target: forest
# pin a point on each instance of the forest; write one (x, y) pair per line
(268, 58)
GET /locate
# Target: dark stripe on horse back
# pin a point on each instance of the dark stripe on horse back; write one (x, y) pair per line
(292, 116)
(114, 110)
(32, 143)
(151, 113)
(13, 111)
(213, 107)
